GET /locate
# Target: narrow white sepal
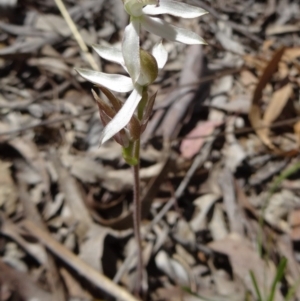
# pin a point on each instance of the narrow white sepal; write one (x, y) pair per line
(174, 8)
(160, 54)
(123, 117)
(163, 29)
(114, 82)
(131, 49)
(109, 53)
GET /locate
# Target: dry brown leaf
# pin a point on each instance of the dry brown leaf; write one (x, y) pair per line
(278, 207)
(73, 286)
(73, 261)
(85, 169)
(255, 62)
(291, 53)
(74, 197)
(203, 204)
(33, 158)
(277, 103)
(255, 111)
(217, 226)
(282, 29)
(294, 222)
(49, 64)
(283, 70)
(52, 23)
(172, 268)
(35, 250)
(243, 260)
(184, 234)
(124, 221)
(91, 250)
(230, 44)
(297, 132)
(8, 192)
(22, 284)
(248, 78)
(196, 138)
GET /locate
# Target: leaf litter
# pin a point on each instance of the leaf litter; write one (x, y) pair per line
(230, 111)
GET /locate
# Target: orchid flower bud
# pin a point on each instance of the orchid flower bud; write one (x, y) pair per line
(134, 7)
(107, 113)
(149, 68)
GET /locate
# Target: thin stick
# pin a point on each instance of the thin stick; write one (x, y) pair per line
(137, 219)
(76, 34)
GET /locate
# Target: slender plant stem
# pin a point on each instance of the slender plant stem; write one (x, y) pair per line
(137, 218)
(76, 34)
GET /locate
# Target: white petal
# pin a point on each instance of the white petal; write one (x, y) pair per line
(131, 49)
(123, 117)
(163, 29)
(109, 53)
(160, 54)
(174, 8)
(114, 82)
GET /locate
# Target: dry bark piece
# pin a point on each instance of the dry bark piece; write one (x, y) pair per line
(226, 182)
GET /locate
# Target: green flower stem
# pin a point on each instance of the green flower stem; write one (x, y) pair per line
(137, 218)
(142, 104)
(129, 154)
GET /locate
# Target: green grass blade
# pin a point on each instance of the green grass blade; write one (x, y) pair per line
(278, 277)
(256, 286)
(278, 180)
(292, 290)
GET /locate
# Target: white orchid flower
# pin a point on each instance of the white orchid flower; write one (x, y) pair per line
(139, 11)
(150, 65)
